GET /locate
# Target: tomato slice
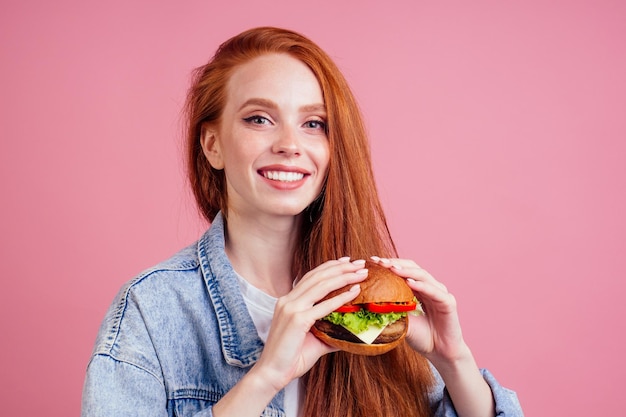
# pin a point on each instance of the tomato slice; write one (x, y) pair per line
(348, 309)
(393, 307)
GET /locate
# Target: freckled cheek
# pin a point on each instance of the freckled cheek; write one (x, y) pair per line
(241, 148)
(238, 161)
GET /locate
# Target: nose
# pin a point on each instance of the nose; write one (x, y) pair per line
(287, 142)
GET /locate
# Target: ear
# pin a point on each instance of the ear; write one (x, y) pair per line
(211, 147)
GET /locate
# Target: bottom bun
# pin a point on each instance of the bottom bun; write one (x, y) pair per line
(358, 348)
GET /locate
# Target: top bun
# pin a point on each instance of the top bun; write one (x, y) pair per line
(380, 286)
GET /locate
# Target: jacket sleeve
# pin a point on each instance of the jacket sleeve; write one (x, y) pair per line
(114, 388)
(506, 402)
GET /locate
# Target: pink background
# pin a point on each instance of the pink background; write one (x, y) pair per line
(499, 137)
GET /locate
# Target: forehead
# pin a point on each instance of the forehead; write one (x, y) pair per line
(277, 77)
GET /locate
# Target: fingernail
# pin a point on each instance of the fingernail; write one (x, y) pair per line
(385, 260)
(359, 262)
(375, 258)
(362, 272)
(355, 288)
(344, 259)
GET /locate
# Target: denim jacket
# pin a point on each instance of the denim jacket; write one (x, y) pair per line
(179, 336)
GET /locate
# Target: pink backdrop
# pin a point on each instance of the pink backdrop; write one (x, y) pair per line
(499, 137)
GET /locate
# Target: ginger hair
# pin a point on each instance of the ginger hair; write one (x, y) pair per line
(339, 384)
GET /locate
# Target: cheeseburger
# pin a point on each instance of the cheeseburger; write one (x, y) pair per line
(376, 320)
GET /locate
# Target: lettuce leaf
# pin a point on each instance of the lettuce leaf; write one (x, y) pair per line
(359, 321)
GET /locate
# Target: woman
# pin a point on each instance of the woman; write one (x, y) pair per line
(279, 163)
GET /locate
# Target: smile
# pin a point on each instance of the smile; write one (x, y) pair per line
(283, 176)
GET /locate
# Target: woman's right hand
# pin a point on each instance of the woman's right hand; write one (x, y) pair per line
(291, 349)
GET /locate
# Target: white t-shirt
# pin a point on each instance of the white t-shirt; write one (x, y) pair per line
(261, 307)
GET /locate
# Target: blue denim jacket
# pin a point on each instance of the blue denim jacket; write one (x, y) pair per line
(179, 336)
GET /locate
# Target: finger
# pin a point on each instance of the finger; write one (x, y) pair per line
(330, 276)
(327, 306)
(409, 269)
(305, 304)
(328, 266)
(389, 262)
(432, 296)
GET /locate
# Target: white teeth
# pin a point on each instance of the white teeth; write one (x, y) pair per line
(283, 176)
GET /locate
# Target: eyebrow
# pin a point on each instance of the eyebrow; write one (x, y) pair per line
(313, 108)
(308, 108)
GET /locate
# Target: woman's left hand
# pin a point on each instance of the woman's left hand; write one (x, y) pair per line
(437, 334)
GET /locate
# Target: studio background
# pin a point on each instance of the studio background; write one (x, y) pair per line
(498, 131)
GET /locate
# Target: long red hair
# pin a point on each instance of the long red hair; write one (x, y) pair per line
(345, 220)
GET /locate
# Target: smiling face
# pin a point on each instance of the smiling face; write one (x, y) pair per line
(271, 138)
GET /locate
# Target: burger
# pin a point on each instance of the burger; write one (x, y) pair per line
(376, 320)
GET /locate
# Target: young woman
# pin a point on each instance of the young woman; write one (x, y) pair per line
(279, 164)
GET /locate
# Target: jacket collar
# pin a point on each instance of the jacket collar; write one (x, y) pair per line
(241, 344)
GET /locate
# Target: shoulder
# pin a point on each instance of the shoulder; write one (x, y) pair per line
(171, 273)
(145, 301)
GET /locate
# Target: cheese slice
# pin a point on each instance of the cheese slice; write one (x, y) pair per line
(368, 335)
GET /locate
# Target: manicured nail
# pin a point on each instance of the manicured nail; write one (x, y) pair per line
(359, 262)
(355, 288)
(362, 272)
(375, 258)
(344, 259)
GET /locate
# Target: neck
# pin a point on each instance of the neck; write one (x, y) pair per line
(261, 250)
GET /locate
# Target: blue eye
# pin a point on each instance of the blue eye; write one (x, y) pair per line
(315, 124)
(256, 120)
